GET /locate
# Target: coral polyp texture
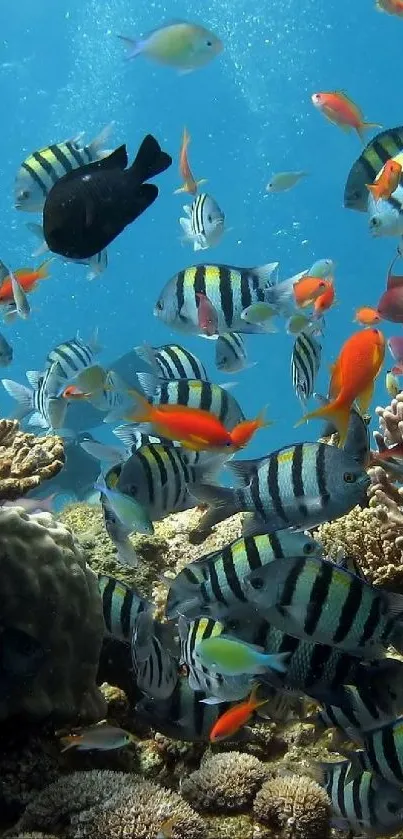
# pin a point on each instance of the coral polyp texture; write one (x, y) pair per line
(225, 782)
(26, 460)
(49, 593)
(294, 807)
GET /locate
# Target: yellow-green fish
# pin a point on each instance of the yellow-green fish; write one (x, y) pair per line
(183, 45)
(232, 657)
(392, 384)
(283, 181)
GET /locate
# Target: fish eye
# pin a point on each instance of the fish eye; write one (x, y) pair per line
(209, 43)
(24, 194)
(160, 305)
(228, 443)
(131, 490)
(349, 477)
(210, 219)
(309, 548)
(257, 583)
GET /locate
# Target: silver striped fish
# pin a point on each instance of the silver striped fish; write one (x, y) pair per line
(155, 669)
(204, 223)
(68, 359)
(230, 353)
(305, 363)
(47, 411)
(171, 361)
(121, 604)
(367, 804)
(194, 394)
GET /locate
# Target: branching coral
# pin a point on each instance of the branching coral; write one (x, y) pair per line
(298, 807)
(225, 782)
(26, 460)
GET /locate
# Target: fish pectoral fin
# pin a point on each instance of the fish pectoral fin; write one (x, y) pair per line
(364, 398)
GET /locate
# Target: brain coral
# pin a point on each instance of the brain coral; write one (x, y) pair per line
(225, 782)
(49, 592)
(299, 807)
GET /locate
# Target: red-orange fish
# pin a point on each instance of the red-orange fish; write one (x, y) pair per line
(308, 289)
(232, 720)
(190, 185)
(342, 111)
(325, 300)
(359, 362)
(27, 278)
(71, 392)
(387, 181)
(207, 315)
(392, 7)
(367, 316)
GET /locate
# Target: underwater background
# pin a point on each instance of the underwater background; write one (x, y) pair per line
(249, 113)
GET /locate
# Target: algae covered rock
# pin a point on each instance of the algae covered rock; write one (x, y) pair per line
(49, 593)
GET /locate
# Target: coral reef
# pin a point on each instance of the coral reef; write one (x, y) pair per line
(26, 460)
(225, 782)
(50, 593)
(298, 807)
(26, 766)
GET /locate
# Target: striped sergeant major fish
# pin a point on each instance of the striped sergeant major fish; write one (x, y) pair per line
(214, 584)
(230, 353)
(382, 752)
(322, 602)
(155, 668)
(305, 363)
(297, 486)
(204, 223)
(229, 289)
(41, 169)
(116, 530)
(366, 804)
(219, 688)
(161, 477)
(193, 393)
(360, 707)
(121, 604)
(171, 361)
(45, 409)
(68, 359)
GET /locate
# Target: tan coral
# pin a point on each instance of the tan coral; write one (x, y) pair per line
(360, 534)
(298, 807)
(50, 593)
(26, 460)
(225, 782)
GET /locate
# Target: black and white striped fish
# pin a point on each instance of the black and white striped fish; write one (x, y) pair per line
(41, 169)
(305, 363)
(230, 353)
(155, 667)
(367, 804)
(194, 394)
(121, 605)
(171, 361)
(47, 410)
(68, 359)
(204, 223)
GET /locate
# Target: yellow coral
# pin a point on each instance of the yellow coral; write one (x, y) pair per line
(26, 460)
(299, 807)
(361, 534)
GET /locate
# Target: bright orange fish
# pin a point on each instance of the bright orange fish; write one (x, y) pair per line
(392, 7)
(189, 183)
(244, 431)
(325, 300)
(308, 289)
(367, 316)
(342, 111)
(232, 720)
(72, 392)
(27, 279)
(387, 181)
(194, 428)
(359, 362)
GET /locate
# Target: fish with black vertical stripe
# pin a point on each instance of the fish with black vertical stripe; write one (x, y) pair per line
(297, 486)
(305, 363)
(171, 361)
(121, 604)
(230, 290)
(317, 600)
(155, 665)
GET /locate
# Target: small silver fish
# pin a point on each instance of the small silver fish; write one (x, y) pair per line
(99, 737)
(22, 306)
(204, 223)
(283, 181)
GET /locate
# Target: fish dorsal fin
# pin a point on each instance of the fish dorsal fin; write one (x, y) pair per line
(33, 377)
(394, 281)
(245, 469)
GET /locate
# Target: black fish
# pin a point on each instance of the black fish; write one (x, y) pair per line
(87, 208)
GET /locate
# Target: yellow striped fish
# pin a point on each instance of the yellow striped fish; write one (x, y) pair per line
(41, 169)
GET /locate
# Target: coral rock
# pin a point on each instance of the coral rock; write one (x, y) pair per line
(26, 460)
(225, 782)
(50, 593)
(298, 807)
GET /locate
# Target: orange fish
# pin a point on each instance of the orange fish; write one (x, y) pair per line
(392, 7)
(387, 181)
(359, 362)
(232, 720)
(244, 431)
(325, 300)
(308, 289)
(72, 392)
(367, 316)
(342, 111)
(189, 183)
(194, 428)
(27, 279)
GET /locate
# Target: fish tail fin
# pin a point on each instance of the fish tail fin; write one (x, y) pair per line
(338, 413)
(69, 742)
(143, 410)
(96, 147)
(150, 160)
(180, 189)
(201, 181)
(93, 342)
(134, 45)
(223, 499)
(373, 189)
(277, 662)
(23, 396)
(43, 270)
(367, 126)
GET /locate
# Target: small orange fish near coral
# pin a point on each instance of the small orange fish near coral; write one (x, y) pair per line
(367, 316)
(236, 717)
(387, 181)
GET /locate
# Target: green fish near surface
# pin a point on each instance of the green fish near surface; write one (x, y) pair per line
(319, 601)
(183, 45)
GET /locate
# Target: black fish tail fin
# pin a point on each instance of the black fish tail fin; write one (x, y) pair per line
(150, 160)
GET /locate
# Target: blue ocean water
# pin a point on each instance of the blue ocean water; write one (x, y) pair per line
(249, 113)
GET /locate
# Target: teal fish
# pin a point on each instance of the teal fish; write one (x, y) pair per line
(182, 45)
(232, 657)
(323, 268)
(129, 512)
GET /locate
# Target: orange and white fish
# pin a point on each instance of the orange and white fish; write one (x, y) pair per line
(190, 185)
(342, 111)
(236, 717)
(307, 290)
(367, 316)
(324, 301)
(391, 7)
(27, 279)
(72, 392)
(387, 181)
(357, 366)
